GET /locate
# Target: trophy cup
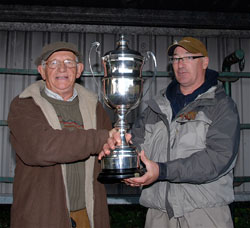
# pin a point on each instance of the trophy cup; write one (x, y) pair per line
(122, 90)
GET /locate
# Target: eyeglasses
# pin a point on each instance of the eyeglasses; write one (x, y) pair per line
(185, 59)
(53, 64)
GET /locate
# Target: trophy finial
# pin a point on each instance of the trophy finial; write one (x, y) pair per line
(122, 44)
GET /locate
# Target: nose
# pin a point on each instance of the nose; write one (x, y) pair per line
(61, 67)
(180, 63)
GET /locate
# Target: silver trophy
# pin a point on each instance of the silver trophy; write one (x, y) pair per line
(122, 90)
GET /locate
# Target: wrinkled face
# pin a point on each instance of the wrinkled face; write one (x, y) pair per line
(190, 73)
(62, 78)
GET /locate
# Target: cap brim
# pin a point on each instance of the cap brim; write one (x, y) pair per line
(46, 55)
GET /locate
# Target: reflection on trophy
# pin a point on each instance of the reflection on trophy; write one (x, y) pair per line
(122, 91)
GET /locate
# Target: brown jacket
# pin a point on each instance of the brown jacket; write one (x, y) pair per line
(42, 148)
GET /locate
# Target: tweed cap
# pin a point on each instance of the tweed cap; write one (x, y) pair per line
(192, 45)
(49, 49)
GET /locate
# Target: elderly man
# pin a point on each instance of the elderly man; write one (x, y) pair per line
(56, 128)
(190, 132)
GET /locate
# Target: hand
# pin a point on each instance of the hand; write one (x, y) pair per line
(113, 140)
(149, 177)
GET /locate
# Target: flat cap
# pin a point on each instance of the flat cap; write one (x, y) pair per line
(49, 49)
(191, 44)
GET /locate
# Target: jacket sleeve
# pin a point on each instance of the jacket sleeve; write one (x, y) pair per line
(103, 120)
(36, 143)
(219, 156)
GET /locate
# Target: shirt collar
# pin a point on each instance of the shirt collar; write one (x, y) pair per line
(57, 96)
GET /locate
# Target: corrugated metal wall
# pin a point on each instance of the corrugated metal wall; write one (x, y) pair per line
(18, 49)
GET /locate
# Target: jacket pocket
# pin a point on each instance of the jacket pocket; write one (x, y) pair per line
(189, 135)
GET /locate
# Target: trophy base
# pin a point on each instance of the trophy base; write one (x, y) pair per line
(117, 175)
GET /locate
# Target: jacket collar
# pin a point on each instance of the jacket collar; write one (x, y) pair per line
(206, 98)
(178, 101)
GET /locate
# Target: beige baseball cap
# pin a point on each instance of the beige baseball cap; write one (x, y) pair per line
(191, 44)
(49, 49)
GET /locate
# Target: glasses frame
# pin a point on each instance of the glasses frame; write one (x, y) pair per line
(58, 63)
(184, 59)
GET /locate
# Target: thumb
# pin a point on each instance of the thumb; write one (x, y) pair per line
(143, 157)
(128, 137)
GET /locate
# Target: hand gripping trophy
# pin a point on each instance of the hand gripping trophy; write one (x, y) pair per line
(122, 90)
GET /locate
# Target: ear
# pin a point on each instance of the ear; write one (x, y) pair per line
(80, 68)
(205, 62)
(41, 70)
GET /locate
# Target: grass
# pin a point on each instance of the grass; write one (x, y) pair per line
(241, 214)
(127, 216)
(4, 216)
(133, 216)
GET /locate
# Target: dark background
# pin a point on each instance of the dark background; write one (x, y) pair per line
(215, 14)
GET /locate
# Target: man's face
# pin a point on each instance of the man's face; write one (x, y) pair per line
(190, 73)
(61, 79)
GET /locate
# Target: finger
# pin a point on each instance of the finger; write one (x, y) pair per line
(117, 138)
(135, 185)
(136, 180)
(106, 149)
(101, 154)
(110, 144)
(132, 184)
(112, 132)
(143, 157)
(128, 137)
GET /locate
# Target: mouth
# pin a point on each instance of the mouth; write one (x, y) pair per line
(63, 77)
(182, 72)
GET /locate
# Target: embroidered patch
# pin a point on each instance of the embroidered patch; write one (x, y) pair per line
(189, 115)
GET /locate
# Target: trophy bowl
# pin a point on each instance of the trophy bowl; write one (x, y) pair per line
(122, 90)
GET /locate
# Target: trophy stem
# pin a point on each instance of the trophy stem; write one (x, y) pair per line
(121, 124)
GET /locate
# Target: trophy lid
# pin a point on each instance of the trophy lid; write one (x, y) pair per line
(123, 49)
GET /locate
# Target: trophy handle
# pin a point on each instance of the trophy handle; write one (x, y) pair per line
(151, 55)
(96, 46)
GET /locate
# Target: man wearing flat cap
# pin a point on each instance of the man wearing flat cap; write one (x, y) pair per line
(189, 137)
(57, 127)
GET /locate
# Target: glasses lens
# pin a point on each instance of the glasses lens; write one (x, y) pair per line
(52, 64)
(70, 63)
(185, 59)
(56, 63)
